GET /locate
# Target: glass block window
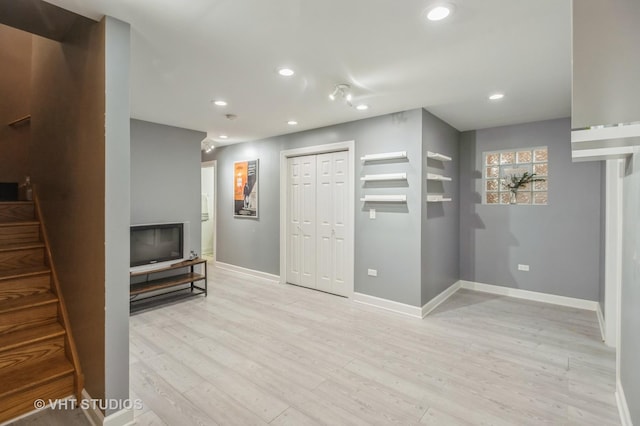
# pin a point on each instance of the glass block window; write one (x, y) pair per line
(499, 166)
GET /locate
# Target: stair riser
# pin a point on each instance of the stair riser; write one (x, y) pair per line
(21, 259)
(11, 212)
(27, 286)
(22, 402)
(30, 317)
(19, 234)
(32, 352)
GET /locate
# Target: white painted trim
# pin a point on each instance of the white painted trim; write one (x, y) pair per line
(389, 305)
(247, 271)
(531, 295)
(599, 154)
(214, 164)
(93, 414)
(613, 246)
(441, 298)
(601, 322)
(123, 417)
(602, 133)
(623, 407)
(348, 146)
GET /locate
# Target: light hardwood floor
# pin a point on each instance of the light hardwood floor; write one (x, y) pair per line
(255, 352)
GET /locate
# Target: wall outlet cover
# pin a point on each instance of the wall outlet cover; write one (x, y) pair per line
(522, 267)
(372, 272)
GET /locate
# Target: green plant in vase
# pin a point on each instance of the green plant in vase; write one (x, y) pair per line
(515, 182)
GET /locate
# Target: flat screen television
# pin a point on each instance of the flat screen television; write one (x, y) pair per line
(156, 243)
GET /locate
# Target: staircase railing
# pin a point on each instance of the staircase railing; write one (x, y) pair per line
(70, 344)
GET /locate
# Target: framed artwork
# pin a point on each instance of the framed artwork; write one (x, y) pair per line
(245, 189)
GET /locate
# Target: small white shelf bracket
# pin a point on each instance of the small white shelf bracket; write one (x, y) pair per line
(438, 156)
(385, 156)
(384, 199)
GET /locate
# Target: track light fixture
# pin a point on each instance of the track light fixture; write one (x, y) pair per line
(207, 145)
(342, 91)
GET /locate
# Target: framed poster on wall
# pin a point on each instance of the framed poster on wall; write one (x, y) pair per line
(245, 188)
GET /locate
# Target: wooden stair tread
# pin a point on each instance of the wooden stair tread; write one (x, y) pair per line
(20, 246)
(24, 272)
(18, 222)
(26, 376)
(27, 302)
(30, 335)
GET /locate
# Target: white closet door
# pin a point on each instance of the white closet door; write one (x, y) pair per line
(294, 225)
(331, 206)
(340, 183)
(308, 221)
(325, 221)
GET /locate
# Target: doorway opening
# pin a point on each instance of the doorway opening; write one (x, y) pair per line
(208, 208)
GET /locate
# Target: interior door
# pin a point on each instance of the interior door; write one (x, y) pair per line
(340, 183)
(301, 239)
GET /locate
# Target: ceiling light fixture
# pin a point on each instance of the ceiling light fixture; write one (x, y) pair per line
(207, 145)
(496, 96)
(286, 72)
(342, 91)
(292, 122)
(362, 107)
(439, 12)
(220, 103)
(223, 137)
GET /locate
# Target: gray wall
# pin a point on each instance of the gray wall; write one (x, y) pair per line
(117, 183)
(558, 241)
(390, 243)
(606, 65)
(165, 177)
(630, 310)
(440, 221)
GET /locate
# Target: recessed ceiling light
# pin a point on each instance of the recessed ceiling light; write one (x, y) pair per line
(439, 12)
(286, 72)
(362, 107)
(292, 122)
(220, 103)
(223, 136)
(496, 96)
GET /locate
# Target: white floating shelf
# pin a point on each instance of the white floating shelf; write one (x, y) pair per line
(433, 176)
(385, 156)
(437, 198)
(386, 176)
(437, 156)
(384, 198)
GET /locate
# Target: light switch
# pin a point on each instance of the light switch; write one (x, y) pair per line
(372, 213)
(372, 272)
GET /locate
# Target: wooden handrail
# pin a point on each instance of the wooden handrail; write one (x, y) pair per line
(69, 341)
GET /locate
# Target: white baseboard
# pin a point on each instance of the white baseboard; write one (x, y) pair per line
(601, 322)
(531, 295)
(389, 305)
(623, 408)
(123, 417)
(247, 271)
(441, 298)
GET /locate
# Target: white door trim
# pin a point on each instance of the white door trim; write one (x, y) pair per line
(214, 164)
(613, 248)
(348, 146)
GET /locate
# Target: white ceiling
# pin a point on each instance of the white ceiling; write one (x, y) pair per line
(186, 53)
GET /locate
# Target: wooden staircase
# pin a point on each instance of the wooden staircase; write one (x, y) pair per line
(38, 359)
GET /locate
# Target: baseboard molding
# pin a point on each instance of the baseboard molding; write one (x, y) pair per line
(388, 305)
(123, 417)
(601, 322)
(441, 298)
(247, 271)
(571, 302)
(95, 416)
(623, 408)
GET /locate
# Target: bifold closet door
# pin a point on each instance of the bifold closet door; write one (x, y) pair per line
(317, 225)
(301, 229)
(331, 201)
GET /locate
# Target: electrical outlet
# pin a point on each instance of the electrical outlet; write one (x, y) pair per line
(372, 272)
(372, 213)
(522, 267)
